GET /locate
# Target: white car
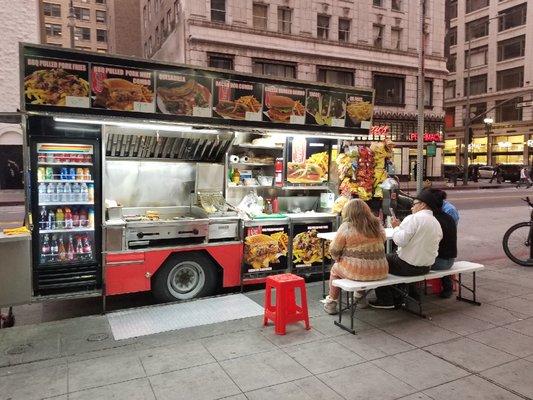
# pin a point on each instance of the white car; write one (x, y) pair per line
(485, 171)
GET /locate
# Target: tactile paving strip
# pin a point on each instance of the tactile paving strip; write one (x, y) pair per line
(149, 320)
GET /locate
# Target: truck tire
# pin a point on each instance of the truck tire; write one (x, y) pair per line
(185, 276)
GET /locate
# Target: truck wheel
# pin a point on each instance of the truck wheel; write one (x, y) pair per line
(185, 276)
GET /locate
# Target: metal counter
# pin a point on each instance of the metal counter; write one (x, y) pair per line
(15, 269)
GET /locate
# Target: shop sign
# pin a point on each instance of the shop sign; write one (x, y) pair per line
(431, 150)
(379, 130)
(428, 137)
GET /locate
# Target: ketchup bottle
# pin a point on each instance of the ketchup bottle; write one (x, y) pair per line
(278, 172)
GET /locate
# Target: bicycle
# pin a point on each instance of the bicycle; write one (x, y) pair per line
(517, 241)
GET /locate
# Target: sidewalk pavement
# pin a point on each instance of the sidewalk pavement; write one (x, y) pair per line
(463, 351)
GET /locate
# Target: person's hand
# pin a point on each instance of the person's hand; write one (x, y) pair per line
(395, 222)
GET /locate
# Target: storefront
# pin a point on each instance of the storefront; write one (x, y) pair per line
(402, 129)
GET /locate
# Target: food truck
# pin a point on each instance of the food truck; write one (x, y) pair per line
(149, 176)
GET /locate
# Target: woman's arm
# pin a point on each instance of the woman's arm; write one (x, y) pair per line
(337, 244)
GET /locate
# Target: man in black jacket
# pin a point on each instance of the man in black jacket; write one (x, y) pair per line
(447, 246)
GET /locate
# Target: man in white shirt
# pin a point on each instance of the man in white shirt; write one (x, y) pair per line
(417, 238)
(524, 178)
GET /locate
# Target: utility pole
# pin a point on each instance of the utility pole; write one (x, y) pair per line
(466, 139)
(71, 22)
(421, 87)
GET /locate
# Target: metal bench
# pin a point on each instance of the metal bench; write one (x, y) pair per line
(350, 287)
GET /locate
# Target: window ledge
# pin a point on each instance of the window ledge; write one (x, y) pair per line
(510, 60)
(476, 11)
(398, 11)
(513, 29)
(402, 105)
(379, 7)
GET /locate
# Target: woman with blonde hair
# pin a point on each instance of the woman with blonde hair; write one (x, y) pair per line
(358, 250)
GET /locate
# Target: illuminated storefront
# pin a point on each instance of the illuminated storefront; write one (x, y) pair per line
(449, 152)
(508, 149)
(478, 150)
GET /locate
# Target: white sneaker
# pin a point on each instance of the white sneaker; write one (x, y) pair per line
(330, 306)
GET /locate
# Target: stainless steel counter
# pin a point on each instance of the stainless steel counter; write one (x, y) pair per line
(15, 269)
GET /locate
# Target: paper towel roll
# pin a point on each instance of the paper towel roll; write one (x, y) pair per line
(244, 159)
(234, 159)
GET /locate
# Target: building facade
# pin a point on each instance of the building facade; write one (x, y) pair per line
(500, 64)
(104, 26)
(364, 43)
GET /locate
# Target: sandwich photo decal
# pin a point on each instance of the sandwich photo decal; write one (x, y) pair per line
(122, 89)
(184, 94)
(238, 100)
(56, 82)
(284, 104)
(308, 161)
(265, 248)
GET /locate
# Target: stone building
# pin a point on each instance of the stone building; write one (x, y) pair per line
(501, 73)
(365, 43)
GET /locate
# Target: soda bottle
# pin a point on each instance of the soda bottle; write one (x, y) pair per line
(87, 174)
(60, 218)
(67, 191)
(91, 218)
(51, 220)
(68, 218)
(45, 249)
(60, 192)
(75, 219)
(63, 173)
(70, 249)
(79, 246)
(80, 176)
(86, 245)
(76, 192)
(49, 173)
(90, 192)
(84, 192)
(54, 249)
(43, 218)
(83, 217)
(43, 196)
(61, 250)
(41, 174)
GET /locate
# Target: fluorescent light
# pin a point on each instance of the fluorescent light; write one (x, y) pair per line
(136, 125)
(488, 120)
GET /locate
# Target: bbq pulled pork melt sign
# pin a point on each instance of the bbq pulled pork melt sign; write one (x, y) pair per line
(68, 81)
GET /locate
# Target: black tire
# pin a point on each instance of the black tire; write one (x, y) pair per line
(185, 276)
(525, 237)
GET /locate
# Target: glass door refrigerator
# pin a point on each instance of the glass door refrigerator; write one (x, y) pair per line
(66, 207)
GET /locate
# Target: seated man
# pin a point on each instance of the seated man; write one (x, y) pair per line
(417, 238)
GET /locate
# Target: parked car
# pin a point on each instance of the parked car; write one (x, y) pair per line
(511, 172)
(485, 171)
(449, 171)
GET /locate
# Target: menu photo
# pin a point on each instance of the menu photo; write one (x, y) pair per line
(238, 100)
(326, 108)
(54, 82)
(184, 94)
(122, 89)
(284, 104)
(307, 246)
(359, 110)
(265, 248)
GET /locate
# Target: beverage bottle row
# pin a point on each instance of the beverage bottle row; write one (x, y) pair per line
(65, 192)
(64, 158)
(63, 173)
(66, 218)
(59, 249)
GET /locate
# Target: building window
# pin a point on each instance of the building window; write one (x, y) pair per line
(377, 3)
(260, 12)
(101, 50)
(83, 14)
(428, 93)
(514, 16)
(284, 20)
(508, 111)
(478, 57)
(449, 118)
(344, 29)
(101, 16)
(510, 78)
(220, 61)
(218, 10)
(389, 90)
(396, 5)
(337, 76)
(449, 90)
(451, 63)
(322, 26)
(512, 48)
(477, 111)
(378, 35)
(477, 29)
(478, 85)
(274, 68)
(101, 35)
(53, 30)
(452, 9)
(100, 1)
(82, 33)
(473, 5)
(52, 10)
(452, 36)
(396, 38)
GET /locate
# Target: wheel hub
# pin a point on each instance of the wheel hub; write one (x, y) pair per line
(186, 279)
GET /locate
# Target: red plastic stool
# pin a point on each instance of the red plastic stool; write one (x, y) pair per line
(285, 311)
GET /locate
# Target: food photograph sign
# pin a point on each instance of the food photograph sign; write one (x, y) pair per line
(265, 248)
(55, 79)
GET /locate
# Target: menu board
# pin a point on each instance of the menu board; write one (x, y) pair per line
(184, 94)
(56, 82)
(265, 248)
(306, 246)
(238, 100)
(100, 84)
(308, 160)
(122, 89)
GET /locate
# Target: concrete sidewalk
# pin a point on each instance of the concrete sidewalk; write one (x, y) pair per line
(463, 352)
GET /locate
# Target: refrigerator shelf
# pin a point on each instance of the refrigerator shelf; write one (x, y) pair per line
(87, 164)
(73, 230)
(64, 181)
(66, 203)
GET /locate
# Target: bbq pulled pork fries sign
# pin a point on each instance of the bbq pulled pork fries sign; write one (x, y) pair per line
(90, 83)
